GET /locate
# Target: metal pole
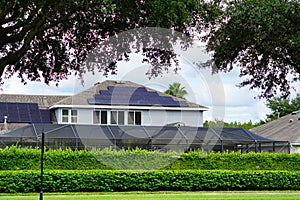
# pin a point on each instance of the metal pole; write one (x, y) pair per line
(42, 165)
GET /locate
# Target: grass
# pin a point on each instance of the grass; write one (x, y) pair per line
(158, 196)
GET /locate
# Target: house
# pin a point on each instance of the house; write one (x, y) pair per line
(119, 114)
(126, 103)
(109, 103)
(284, 128)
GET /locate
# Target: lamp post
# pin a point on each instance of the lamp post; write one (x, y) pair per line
(42, 165)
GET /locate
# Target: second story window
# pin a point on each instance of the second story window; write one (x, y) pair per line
(65, 116)
(73, 116)
(100, 117)
(134, 118)
(117, 117)
(69, 116)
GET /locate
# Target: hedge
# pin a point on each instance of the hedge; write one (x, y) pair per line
(15, 158)
(162, 180)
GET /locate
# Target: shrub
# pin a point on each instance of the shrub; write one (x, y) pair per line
(15, 158)
(179, 180)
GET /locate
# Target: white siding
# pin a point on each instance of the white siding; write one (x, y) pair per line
(58, 115)
(85, 116)
(192, 118)
(149, 117)
(160, 118)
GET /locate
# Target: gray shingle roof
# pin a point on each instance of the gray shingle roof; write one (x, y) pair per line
(44, 101)
(82, 97)
(285, 128)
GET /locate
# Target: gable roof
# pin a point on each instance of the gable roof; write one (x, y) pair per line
(125, 93)
(285, 128)
(43, 101)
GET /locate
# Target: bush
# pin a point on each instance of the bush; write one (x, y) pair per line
(15, 158)
(237, 161)
(179, 180)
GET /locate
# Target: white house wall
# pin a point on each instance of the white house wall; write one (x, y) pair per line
(160, 117)
(149, 117)
(85, 116)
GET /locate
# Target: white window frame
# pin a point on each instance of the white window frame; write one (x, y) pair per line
(74, 116)
(117, 119)
(100, 116)
(134, 118)
(71, 117)
(65, 117)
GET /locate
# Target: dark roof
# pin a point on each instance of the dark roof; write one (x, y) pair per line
(125, 93)
(163, 138)
(43, 101)
(191, 134)
(23, 113)
(285, 128)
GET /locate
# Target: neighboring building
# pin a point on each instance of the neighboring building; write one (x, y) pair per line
(109, 102)
(18, 110)
(285, 128)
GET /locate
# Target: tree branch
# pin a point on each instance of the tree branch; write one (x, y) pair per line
(13, 57)
(8, 8)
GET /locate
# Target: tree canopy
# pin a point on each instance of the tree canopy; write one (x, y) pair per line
(48, 40)
(281, 106)
(262, 38)
(175, 89)
(222, 124)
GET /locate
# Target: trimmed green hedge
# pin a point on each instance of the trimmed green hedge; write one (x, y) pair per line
(15, 158)
(179, 180)
(237, 161)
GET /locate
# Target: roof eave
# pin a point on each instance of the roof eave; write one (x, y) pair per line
(127, 107)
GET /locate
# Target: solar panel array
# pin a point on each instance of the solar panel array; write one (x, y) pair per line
(133, 96)
(23, 113)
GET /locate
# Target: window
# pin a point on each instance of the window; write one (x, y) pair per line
(134, 118)
(130, 118)
(73, 116)
(100, 117)
(104, 117)
(96, 117)
(113, 117)
(65, 116)
(117, 117)
(121, 117)
(69, 116)
(138, 118)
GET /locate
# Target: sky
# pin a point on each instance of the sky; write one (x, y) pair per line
(218, 92)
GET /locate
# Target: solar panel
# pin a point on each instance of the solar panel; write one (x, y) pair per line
(182, 103)
(13, 113)
(34, 113)
(23, 112)
(3, 111)
(45, 115)
(105, 92)
(134, 96)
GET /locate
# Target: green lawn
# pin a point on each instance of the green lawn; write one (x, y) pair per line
(160, 196)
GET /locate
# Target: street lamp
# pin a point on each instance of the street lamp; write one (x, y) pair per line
(42, 165)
